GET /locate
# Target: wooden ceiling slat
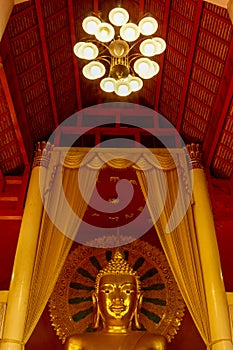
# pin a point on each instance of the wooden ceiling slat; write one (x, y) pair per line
(189, 85)
(215, 128)
(227, 4)
(46, 60)
(13, 114)
(189, 63)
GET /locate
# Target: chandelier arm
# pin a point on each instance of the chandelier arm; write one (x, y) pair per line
(92, 40)
(103, 58)
(102, 52)
(132, 72)
(137, 42)
(97, 14)
(86, 39)
(147, 14)
(134, 56)
(99, 42)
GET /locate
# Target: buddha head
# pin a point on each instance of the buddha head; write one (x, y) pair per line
(117, 297)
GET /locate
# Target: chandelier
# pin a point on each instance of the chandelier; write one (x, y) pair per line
(111, 47)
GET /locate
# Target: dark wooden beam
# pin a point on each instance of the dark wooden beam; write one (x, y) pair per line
(141, 7)
(96, 6)
(13, 115)
(162, 58)
(75, 60)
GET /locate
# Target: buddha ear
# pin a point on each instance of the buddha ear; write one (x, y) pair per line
(96, 313)
(137, 311)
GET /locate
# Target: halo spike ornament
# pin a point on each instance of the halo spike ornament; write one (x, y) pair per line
(71, 304)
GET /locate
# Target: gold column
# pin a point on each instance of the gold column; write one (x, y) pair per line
(209, 255)
(14, 324)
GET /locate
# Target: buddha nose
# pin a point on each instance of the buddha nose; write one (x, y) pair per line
(117, 296)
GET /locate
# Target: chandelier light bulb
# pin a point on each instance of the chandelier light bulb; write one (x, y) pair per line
(151, 72)
(90, 24)
(148, 48)
(160, 45)
(77, 49)
(118, 16)
(107, 84)
(122, 88)
(155, 68)
(148, 26)
(88, 51)
(104, 32)
(94, 70)
(135, 83)
(129, 32)
(144, 68)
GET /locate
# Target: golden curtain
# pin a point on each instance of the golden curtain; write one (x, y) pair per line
(65, 199)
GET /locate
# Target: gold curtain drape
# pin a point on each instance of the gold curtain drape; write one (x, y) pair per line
(194, 261)
(53, 244)
(61, 193)
(181, 249)
(165, 179)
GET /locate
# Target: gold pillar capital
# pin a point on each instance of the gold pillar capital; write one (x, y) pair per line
(42, 154)
(195, 154)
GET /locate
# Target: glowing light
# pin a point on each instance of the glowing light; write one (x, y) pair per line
(148, 26)
(135, 83)
(90, 24)
(107, 84)
(160, 45)
(115, 47)
(104, 32)
(130, 32)
(94, 70)
(118, 16)
(122, 88)
(148, 48)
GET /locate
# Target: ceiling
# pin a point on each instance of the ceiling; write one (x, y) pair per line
(42, 84)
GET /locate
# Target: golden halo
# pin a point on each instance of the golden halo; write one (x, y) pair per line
(71, 304)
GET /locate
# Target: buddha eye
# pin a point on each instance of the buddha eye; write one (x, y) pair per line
(106, 291)
(128, 291)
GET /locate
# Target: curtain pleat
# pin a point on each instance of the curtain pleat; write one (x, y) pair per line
(180, 246)
(54, 245)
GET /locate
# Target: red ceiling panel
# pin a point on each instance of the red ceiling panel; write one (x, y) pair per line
(46, 81)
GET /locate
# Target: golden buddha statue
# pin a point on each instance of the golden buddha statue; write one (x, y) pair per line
(117, 300)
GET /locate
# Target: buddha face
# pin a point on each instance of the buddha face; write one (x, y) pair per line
(117, 299)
